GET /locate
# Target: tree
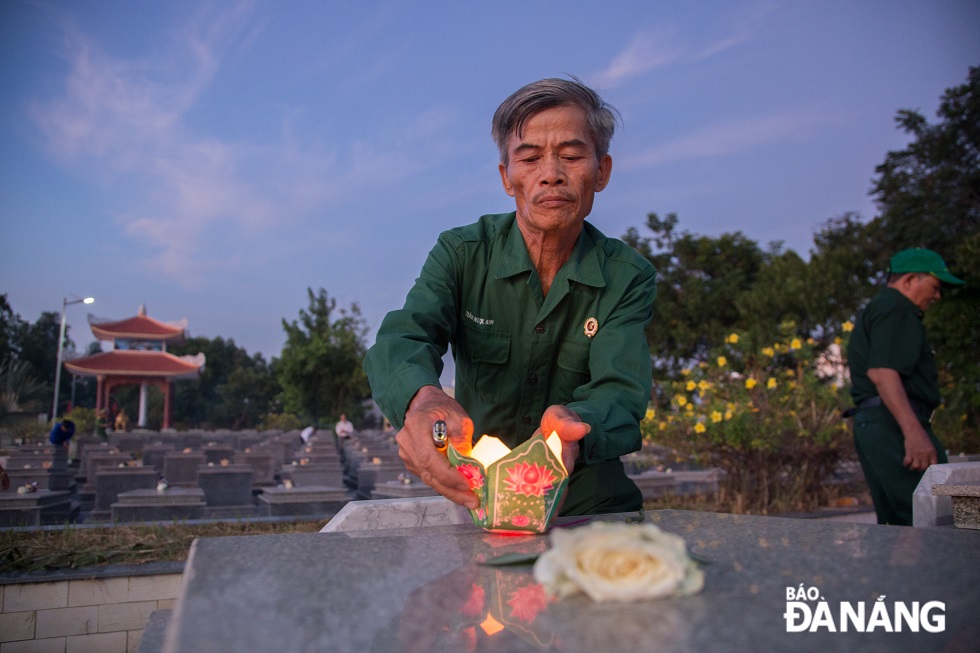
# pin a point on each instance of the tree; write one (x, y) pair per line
(249, 393)
(21, 396)
(846, 265)
(10, 326)
(699, 281)
(37, 346)
(929, 193)
(320, 367)
(233, 391)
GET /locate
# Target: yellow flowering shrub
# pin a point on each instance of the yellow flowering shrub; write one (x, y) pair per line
(764, 416)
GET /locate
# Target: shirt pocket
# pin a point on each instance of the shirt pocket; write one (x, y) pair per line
(573, 368)
(487, 354)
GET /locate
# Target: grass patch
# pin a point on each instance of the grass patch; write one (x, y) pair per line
(73, 548)
(852, 494)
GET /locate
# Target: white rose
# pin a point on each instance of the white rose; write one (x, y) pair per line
(617, 562)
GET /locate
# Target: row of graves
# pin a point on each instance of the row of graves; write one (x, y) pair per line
(148, 476)
(151, 477)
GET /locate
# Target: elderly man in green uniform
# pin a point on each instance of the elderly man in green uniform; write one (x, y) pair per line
(545, 315)
(895, 384)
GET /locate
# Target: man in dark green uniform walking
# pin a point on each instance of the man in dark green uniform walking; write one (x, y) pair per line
(545, 315)
(895, 384)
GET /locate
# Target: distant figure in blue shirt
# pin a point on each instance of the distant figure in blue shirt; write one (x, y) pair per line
(62, 432)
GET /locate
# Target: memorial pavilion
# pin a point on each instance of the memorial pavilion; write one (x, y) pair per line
(138, 357)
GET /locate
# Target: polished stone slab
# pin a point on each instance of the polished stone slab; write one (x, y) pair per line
(929, 509)
(159, 505)
(402, 490)
(424, 589)
(226, 485)
(35, 508)
(110, 482)
(302, 500)
(328, 474)
(380, 514)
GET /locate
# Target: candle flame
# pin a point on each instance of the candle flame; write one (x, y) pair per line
(489, 449)
(554, 443)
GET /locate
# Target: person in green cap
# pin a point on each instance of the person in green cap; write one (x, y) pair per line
(895, 385)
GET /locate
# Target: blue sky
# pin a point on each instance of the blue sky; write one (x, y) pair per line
(214, 160)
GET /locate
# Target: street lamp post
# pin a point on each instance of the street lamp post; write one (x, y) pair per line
(61, 345)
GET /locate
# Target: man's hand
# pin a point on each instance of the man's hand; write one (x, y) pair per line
(919, 452)
(569, 427)
(419, 453)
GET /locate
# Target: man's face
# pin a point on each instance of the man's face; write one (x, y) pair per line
(552, 171)
(922, 290)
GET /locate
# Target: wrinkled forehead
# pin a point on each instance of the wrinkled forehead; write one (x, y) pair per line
(561, 126)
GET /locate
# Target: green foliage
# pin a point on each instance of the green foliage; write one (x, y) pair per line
(37, 345)
(928, 195)
(21, 398)
(234, 390)
(929, 192)
(10, 323)
(699, 281)
(763, 415)
(280, 422)
(84, 419)
(320, 368)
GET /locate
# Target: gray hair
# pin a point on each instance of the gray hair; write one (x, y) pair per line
(537, 96)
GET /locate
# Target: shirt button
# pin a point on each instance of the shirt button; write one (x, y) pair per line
(533, 379)
(594, 451)
(526, 419)
(539, 329)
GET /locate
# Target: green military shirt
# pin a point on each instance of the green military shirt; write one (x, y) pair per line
(518, 351)
(889, 333)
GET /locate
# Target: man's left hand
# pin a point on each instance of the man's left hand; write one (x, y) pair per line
(569, 427)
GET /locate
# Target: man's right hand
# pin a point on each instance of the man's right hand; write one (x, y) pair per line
(919, 451)
(419, 453)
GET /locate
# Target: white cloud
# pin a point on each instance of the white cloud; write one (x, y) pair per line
(124, 122)
(651, 50)
(644, 53)
(731, 137)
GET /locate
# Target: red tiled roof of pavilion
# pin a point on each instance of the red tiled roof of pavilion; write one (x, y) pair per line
(137, 363)
(140, 327)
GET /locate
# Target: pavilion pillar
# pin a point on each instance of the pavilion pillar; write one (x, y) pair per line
(141, 422)
(99, 403)
(166, 403)
(107, 386)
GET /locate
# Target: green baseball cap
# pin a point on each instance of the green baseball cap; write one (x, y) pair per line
(920, 259)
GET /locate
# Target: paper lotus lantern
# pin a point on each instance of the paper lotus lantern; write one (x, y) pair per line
(520, 490)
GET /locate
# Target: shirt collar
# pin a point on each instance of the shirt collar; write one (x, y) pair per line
(582, 266)
(901, 298)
